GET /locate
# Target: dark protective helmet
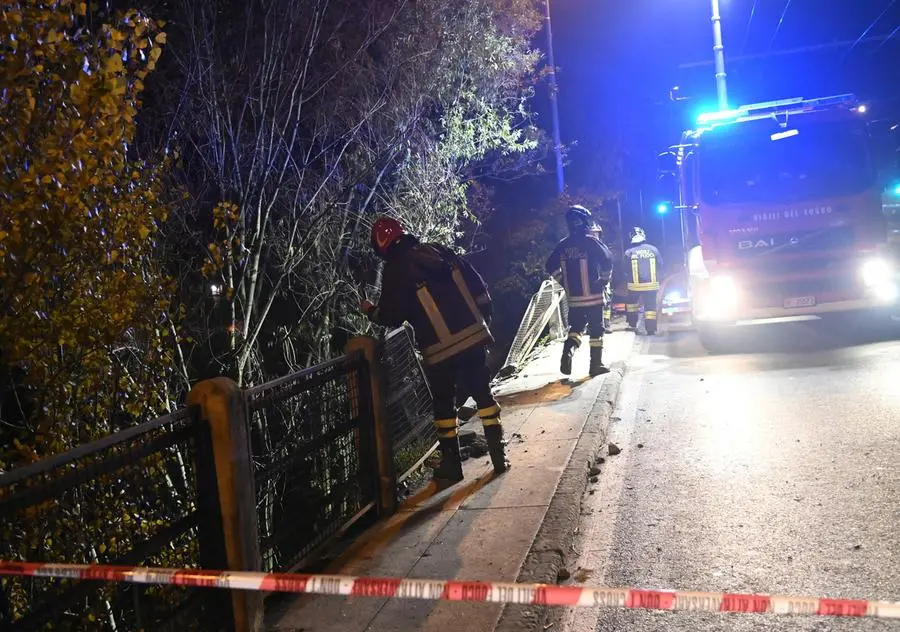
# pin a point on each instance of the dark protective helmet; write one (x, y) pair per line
(385, 232)
(637, 235)
(578, 219)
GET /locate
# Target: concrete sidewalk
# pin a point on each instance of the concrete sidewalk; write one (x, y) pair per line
(481, 529)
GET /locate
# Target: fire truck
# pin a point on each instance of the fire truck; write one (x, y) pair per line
(781, 215)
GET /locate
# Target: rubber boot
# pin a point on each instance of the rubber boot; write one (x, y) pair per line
(597, 367)
(450, 470)
(496, 448)
(565, 364)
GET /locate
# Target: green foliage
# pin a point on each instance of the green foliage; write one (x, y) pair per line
(83, 322)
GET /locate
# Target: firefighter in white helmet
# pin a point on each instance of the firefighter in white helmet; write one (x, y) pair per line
(643, 267)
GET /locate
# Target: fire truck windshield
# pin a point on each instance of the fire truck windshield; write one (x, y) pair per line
(762, 162)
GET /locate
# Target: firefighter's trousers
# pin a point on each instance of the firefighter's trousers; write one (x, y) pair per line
(647, 298)
(469, 371)
(581, 318)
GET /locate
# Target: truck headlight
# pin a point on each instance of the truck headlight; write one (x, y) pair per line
(724, 289)
(876, 273)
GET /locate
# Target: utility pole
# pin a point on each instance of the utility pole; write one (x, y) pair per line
(719, 52)
(560, 179)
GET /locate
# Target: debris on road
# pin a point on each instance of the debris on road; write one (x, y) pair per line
(594, 479)
(563, 574)
(594, 471)
(640, 445)
(614, 449)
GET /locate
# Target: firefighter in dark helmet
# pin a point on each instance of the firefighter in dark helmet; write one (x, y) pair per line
(447, 303)
(643, 267)
(586, 266)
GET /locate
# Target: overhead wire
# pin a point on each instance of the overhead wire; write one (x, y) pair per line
(869, 28)
(749, 22)
(780, 22)
(889, 37)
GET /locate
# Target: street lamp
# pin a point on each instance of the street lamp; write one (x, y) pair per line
(661, 209)
(554, 108)
(719, 52)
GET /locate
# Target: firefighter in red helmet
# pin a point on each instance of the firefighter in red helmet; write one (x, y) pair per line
(447, 303)
(586, 265)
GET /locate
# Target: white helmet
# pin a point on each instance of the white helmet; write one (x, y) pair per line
(637, 235)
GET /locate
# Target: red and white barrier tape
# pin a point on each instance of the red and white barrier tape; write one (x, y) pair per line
(454, 590)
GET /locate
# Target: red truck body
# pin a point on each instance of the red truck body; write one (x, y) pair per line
(782, 213)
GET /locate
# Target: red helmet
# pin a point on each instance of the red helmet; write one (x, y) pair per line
(385, 232)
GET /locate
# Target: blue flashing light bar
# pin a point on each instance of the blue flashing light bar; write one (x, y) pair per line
(721, 115)
(662, 208)
(795, 105)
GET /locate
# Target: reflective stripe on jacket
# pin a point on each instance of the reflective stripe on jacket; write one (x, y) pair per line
(586, 265)
(439, 294)
(643, 264)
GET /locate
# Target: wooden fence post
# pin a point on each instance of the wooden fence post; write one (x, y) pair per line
(222, 405)
(387, 477)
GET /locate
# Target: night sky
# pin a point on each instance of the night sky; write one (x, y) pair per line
(618, 59)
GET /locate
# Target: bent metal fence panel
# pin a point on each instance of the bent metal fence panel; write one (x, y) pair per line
(314, 459)
(408, 403)
(133, 498)
(547, 308)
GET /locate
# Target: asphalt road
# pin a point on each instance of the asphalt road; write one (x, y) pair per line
(771, 468)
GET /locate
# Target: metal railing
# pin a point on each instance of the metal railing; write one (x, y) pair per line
(320, 451)
(314, 461)
(408, 403)
(144, 496)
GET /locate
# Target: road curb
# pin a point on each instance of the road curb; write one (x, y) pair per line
(555, 537)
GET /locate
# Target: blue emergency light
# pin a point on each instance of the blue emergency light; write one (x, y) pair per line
(714, 117)
(662, 208)
(797, 104)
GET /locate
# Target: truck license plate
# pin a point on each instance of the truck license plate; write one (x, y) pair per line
(799, 301)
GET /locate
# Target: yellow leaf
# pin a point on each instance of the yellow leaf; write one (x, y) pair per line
(81, 9)
(160, 38)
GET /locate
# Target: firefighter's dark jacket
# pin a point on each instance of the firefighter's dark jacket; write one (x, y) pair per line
(586, 265)
(643, 265)
(439, 294)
